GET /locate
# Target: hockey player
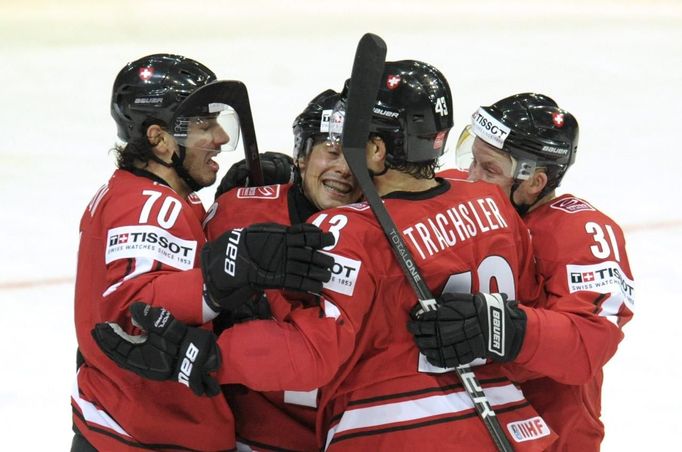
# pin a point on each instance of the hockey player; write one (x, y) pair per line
(141, 238)
(284, 420)
(525, 144)
(354, 344)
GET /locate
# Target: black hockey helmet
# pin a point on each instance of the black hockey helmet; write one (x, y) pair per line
(149, 90)
(313, 122)
(413, 111)
(534, 130)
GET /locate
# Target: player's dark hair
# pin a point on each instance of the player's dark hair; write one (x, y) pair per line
(138, 152)
(418, 170)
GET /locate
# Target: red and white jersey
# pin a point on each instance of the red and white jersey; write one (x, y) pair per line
(264, 421)
(581, 256)
(463, 235)
(139, 240)
(453, 173)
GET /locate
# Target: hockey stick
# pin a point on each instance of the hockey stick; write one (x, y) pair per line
(238, 98)
(234, 94)
(368, 68)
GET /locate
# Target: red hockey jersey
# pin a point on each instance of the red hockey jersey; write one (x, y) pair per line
(141, 241)
(268, 420)
(464, 236)
(581, 256)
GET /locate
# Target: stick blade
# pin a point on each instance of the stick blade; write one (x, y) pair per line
(368, 67)
(235, 94)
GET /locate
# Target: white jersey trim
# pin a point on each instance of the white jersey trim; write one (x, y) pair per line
(94, 415)
(411, 410)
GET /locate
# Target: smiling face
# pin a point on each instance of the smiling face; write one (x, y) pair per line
(327, 180)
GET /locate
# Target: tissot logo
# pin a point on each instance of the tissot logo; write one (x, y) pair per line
(151, 238)
(489, 125)
(344, 274)
(118, 239)
(489, 129)
(582, 277)
(605, 277)
(324, 120)
(150, 243)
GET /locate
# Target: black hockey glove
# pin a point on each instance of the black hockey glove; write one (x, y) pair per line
(257, 309)
(170, 350)
(241, 262)
(277, 169)
(466, 327)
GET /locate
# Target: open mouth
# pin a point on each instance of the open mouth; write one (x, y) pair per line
(337, 187)
(213, 165)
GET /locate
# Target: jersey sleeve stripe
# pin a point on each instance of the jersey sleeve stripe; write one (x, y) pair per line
(418, 409)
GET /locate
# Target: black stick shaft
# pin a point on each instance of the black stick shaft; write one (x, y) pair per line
(362, 93)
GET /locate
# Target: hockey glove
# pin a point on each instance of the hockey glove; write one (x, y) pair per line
(466, 327)
(241, 262)
(257, 309)
(170, 350)
(277, 169)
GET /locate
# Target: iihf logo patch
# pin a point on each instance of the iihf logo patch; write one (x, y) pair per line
(266, 192)
(528, 429)
(392, 82)
(146, 73)
(571, 205)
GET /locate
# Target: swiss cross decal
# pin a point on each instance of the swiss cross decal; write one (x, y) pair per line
(558, 119)
(146, 73)
(392, 82)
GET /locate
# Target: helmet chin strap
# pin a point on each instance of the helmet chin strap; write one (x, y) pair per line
(380, 173)
(522, 209)
(177, 164)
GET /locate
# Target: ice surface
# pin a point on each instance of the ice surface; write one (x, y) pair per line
(617, 65)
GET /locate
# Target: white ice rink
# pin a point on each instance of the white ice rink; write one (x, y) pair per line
(616, 65)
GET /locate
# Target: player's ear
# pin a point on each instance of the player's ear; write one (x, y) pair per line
(161, 142)
(301, 162)
(376, 150)
(538, 182)
(154, 134)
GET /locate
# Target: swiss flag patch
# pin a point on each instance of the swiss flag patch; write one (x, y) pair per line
(571, 205)
(267, 192)
(146, 73)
